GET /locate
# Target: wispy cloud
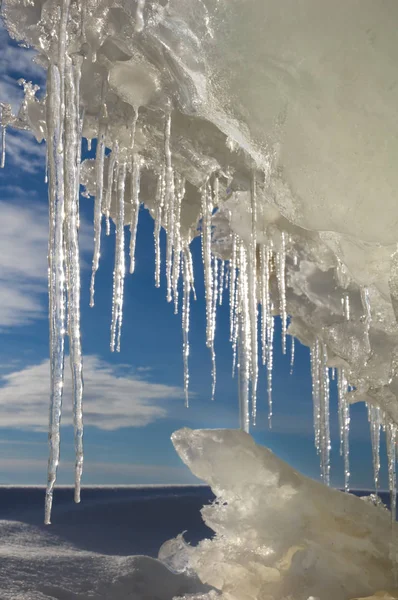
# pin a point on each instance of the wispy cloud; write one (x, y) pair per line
(24, 153)
(112, 400)
(23, 257)
(15, 63)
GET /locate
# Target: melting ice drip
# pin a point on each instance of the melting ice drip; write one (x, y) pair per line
(254, 270)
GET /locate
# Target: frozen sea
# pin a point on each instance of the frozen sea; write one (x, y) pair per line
(104, 548)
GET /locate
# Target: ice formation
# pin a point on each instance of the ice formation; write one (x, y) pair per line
(278, 534)
(271, 131)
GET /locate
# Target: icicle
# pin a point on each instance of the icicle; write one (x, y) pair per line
(213, 327)
(177, 242)
(3, 147)
(391, 440)
(344, 424)
(243, 378)
(160, 191)
(72, 173)
(56, 276)
(187, 287)
(320, 394)
(252, 291)
(135, 208)
(139, 16)
(207, 209)
(347, 306)
(366, 305)
(99, 172)
(3, 141)
(119, 270)
(374, 417)
(270, 361)
(221, 283)
(169, 205)
(134, 129)
(265, 299)
(281, 276)
(108, 198)
(292, 352)
(315, 360)
(232, 284)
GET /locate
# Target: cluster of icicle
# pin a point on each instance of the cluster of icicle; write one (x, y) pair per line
(247, 274)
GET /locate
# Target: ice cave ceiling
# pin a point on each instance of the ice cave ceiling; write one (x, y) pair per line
(270, 129)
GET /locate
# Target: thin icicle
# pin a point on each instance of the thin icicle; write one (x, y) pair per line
(320, 395)
(243, 376)
(375, 420)
(119, 270)
(135, 208)
(207, 209)
(232, 285)
(391, 440)
(111, 173)
(344, 424)
(292, 352)
(133, 130)
(177, 242)
(187, 287)
(252, 291)
(213, 326)
(3, 147)
(221, 283)
(281, 276)
(139, 16)
(56, 276)
(315, 362)
(99, 172)
(270, 361)
(72, 172)
(156, 230)
(265, 300)
(169, 205)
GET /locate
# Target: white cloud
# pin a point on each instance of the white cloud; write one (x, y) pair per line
(23, 258)
(24, 153)
(16, 62)
(111, 400)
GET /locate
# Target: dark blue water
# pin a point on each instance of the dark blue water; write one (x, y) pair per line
(114, 521)
(118, 521)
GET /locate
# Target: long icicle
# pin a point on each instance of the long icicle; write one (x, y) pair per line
(99, 168)
(187, 287)
(111, 173)
(169, 204)
(119, 270)
(135, 208)
(158, 225)
(344, 424)
(252, 290)
(375, 420)
(72, 170)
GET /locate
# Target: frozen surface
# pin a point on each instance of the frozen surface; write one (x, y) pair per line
(268, 128)
(279, 534)
(96, 550)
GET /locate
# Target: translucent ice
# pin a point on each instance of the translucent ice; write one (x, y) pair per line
(279, 534)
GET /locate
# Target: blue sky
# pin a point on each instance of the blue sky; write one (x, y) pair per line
(134, 400)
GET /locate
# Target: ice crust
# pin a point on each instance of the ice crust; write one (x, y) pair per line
(278, 534)
(268, 128)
